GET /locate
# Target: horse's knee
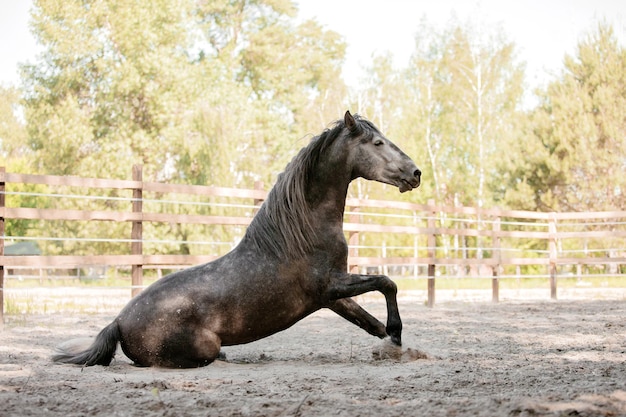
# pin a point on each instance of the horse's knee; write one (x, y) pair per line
(195, 349)
(207, 346)
(389, 287)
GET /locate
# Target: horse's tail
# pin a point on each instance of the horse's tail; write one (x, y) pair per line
(100, 352)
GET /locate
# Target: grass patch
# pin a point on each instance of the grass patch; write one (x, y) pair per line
(50, 282)
(15, 306)
(110, 294)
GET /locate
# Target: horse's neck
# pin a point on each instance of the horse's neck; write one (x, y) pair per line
(328, 183)
(328, 202)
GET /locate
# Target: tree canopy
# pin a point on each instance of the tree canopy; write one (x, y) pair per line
(191, 90)
(572, 150)
(225, 92)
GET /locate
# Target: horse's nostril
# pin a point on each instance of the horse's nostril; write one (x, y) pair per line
(417, 173)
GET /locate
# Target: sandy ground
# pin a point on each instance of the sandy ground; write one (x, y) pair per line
(515, 358)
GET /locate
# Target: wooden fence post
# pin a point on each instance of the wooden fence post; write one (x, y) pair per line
(353, 241)
(431, 243)
(2, 204)
(497, 255)
(136, 234)
(553, 255)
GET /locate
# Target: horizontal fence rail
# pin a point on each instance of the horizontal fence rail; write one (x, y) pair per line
(172, 226)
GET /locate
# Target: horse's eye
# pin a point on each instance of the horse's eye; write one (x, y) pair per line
(378, 142)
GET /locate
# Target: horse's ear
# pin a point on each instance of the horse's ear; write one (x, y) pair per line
(349, 121)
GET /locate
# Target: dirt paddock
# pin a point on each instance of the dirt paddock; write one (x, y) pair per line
(521, 358)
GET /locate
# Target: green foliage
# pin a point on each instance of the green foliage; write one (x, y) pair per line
(575, 140)
(225, 92)
(466, 89)
(140, 80)
(196, 92)
(15, 156)
(13, 136)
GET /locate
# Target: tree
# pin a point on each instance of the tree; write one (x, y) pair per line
(465, 97)
(111, 81)
(464, 92)
(196, 92)
(576, 138)
(13, 149)
(139, 79)
(15, 156)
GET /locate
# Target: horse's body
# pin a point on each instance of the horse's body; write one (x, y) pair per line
(291, 262)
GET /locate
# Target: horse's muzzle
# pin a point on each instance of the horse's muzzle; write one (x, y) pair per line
(409, 183)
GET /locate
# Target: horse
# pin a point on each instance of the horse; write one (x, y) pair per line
(291, 262)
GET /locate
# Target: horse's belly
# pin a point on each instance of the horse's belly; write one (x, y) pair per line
(246, 326)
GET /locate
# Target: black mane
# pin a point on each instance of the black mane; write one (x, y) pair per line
(282, 227)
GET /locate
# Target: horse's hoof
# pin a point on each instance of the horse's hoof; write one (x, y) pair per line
(395, 336)
(395, 333)
(396, 340)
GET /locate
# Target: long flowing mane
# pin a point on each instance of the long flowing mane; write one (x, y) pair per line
(282, 227)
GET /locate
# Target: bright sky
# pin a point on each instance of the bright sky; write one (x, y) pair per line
(543, 30)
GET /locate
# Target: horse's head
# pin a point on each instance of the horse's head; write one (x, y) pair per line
(374, 157)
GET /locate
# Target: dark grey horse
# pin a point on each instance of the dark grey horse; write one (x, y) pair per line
(291, 262)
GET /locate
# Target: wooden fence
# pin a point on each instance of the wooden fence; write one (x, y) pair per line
(443, 241)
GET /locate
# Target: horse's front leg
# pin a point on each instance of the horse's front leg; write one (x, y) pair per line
(350, 285)
(354, 313)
